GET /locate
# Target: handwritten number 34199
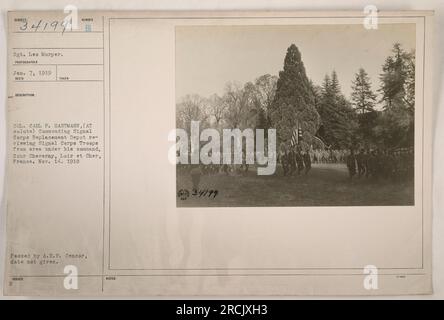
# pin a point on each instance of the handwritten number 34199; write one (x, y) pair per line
(41, 25)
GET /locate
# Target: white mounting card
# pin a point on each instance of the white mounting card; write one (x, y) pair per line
(219, 153)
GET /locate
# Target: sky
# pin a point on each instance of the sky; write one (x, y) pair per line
(209, 56)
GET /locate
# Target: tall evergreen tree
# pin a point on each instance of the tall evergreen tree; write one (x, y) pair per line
(393, 77)
(294, 100)
(363, 98)
(396, 123)
(409, 84)
(335, 87)
(337, 116)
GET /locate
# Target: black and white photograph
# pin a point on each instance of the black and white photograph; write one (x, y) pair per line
(295, 115)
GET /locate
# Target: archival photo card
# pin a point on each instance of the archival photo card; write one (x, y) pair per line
(219, 153)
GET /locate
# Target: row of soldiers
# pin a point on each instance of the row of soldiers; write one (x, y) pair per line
(329, 155)
(397, 165)
(295, 161)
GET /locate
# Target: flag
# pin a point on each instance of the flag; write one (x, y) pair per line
(294, 138)
(296, 135)
(322, 143)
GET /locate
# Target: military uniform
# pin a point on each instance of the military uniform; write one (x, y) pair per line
(299, 162)
(361, 163)
(284, 162)
(351, 165)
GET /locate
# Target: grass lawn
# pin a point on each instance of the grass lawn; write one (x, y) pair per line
(325, 185)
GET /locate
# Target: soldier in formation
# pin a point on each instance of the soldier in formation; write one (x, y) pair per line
(396, 165)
